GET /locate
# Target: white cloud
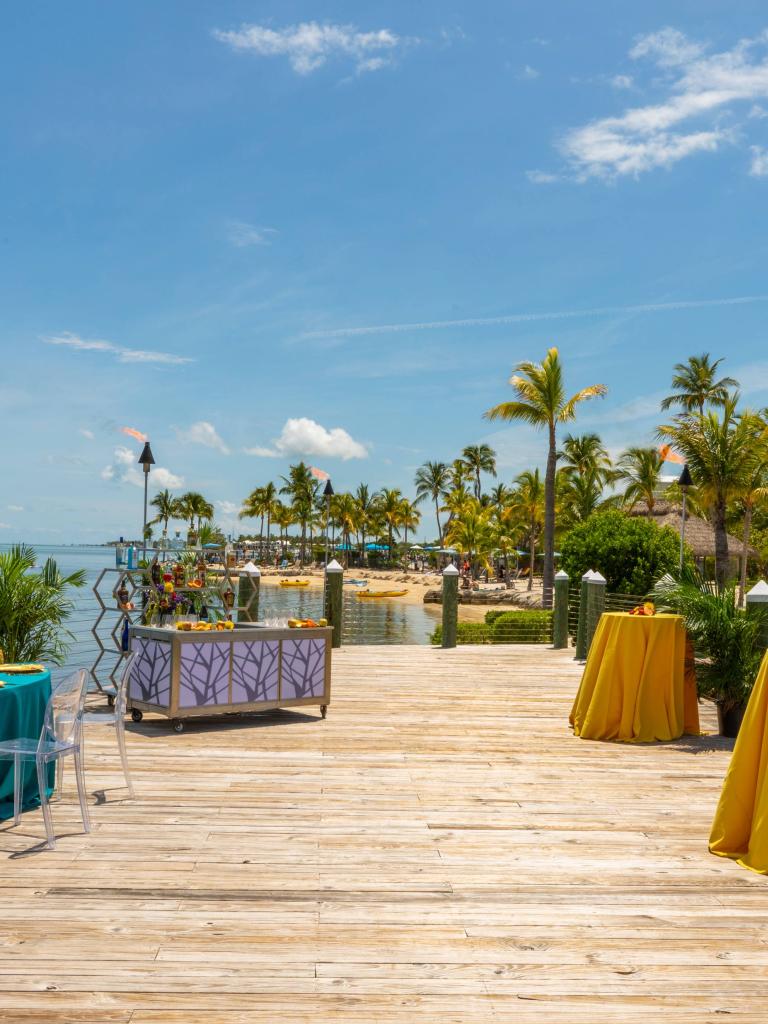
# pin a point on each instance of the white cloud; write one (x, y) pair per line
(203, 433)
(120, 352)
(527, 73)
(309, 44)
(228, 508)
(243, 235)
(702, 91)
(304, 436)
(757, 112)
(87, 433)
(124, 468)
(622, 81)
(5, 526)
(15, 508)
(759, 165)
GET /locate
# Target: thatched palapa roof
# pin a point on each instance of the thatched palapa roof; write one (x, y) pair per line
(699, 535)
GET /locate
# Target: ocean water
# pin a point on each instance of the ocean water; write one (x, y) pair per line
(365, 622)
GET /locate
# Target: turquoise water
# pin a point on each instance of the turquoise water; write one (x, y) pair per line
(365, 622)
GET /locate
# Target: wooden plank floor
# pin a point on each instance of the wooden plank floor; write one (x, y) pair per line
(440, 849)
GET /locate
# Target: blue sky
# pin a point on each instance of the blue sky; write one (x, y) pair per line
(211, 210)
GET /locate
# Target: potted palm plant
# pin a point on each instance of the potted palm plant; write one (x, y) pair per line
(34, 607)
(726, 639)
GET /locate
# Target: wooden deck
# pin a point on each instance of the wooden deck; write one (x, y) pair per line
(440, 849)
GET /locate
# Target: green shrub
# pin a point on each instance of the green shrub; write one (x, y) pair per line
(503, 627)
(527, 627)
(466, 633)
(632, 552)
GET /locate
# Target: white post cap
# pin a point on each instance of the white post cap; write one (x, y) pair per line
(588, 575)
(450, 570)
(251, 570)
(759, 593)
(562, 575)
(333, 566)
(598, 578)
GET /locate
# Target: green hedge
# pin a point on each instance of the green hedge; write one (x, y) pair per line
(524, 627)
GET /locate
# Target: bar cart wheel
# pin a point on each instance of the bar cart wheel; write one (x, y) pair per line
(111, 700)
(178, 725)
(137, 715)
(324, 710)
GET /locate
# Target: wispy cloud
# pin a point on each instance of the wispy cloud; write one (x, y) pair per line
(228, 508)
(759, 165)
(205, 434)
(309, 45)
(528, 74)
(243, 235)
(303, 436)
(622, 81)
(15, 508)
(703, 92)
(519, 318)
(87, 434)
(120, 352)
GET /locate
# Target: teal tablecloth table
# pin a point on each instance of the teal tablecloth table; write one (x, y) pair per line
(22, 709)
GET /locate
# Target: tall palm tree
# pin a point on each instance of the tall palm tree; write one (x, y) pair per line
(344, 510)
(302, 489)
(283, 516)
(540, 400)
(722, 448)
(167, 508)
(578, 496)
(695, 385)
(459, 474)
(432, 480)
(479, 458)
(585, 454)
(500, 495)
(641, 468)
(390, 508)
(409, 519)
(270, 502)
(472, 533)
(256, 506)
(529, 503)
(194, 506)
(366, 504)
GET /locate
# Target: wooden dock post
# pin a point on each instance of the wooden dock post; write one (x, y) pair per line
(333, 602)
(450, 605)
(581, 627)
(560, 620)
(595, 606)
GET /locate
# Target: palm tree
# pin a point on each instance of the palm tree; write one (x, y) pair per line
(344, 511)
(269, 492)
(34, 607)
(586, 454)
(365, 503)
(459, 473)
(641, 468)
(540, 400)
(529, 502)
(578, 496)
(432, 481)
(302, 489)
(389, 506)
(410, 517)
(472, 533)
(253, 508)
(283, 516)
(479, 458)
(500, 495)
(194, 506)
(722, 449)
(695, 385)
(167, 508)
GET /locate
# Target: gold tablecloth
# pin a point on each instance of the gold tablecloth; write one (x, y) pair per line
(740, 828)
(635, 684)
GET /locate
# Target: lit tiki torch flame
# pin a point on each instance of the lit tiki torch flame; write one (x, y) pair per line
(134, 433)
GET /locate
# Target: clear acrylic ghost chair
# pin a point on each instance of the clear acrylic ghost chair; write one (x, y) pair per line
(60, 737)
(116, 716)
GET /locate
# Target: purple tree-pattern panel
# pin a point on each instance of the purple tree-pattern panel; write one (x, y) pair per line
(255, 670)
(302, 668)
(151, 672)
(203, 674)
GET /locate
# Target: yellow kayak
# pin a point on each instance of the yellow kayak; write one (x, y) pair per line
(381, 593)
(294, 583)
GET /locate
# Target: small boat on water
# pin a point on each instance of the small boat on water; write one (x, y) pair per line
(382, 593)
(356, 583)
(294, 583)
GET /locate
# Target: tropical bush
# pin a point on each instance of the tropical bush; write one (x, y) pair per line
(34, 607)
(632, 552)
(500, 627)
(726, 638)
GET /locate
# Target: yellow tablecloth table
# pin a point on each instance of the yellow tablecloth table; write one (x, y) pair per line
(635, 684)
(740, 828)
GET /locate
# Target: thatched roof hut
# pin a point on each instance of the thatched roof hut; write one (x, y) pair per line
(699, 535)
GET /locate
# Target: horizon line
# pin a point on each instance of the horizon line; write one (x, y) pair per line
(515, 318)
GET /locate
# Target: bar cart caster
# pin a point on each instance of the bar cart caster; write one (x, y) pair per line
(111, 700)
(137, 715)
(178, 725)
(324, 710)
